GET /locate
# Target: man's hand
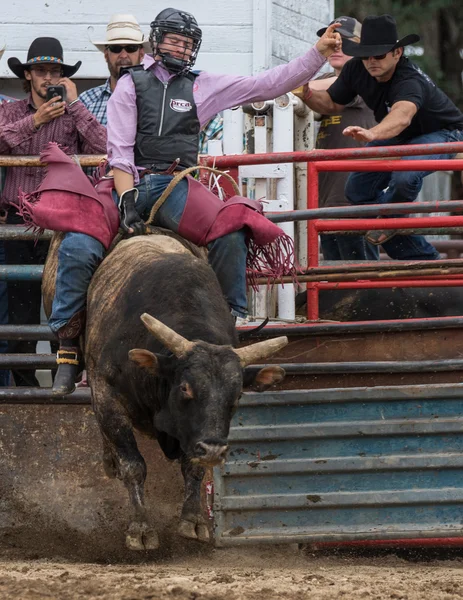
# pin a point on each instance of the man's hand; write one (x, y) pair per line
(359, 134)
(71, 90)
(50, 110)
(131, 222)
(330, 41)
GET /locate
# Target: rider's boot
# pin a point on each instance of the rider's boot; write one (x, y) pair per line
(69, 355)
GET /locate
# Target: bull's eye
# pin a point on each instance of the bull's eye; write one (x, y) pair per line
(186, 390)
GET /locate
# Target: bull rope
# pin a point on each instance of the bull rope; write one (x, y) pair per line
(176, 180)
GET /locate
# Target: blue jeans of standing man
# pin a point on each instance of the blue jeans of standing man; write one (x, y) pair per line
(400, 186)
(79, 255)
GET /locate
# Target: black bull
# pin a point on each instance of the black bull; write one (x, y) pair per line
(174, 375)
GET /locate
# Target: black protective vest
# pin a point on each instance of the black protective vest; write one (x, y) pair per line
(168, 125)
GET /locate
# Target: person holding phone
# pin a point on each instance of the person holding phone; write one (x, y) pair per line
(26, 127)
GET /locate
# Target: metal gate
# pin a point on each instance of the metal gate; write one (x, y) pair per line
(336, 465)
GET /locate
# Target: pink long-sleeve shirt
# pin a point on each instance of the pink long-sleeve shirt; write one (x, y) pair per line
(212, 93)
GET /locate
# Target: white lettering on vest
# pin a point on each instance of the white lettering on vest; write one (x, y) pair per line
(180, 105)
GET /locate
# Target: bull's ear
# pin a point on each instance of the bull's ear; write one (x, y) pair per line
(267, 377)
(145, 359)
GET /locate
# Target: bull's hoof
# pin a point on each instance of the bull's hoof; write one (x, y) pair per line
(140, 536)
(194, 530)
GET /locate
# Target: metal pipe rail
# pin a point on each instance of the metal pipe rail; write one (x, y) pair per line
(48, 361)
(314, 227)
(321, 327)
(23, 395)
(85, 160)
(27, 332)
(21, 232)
(370, 210)
(238, 160)
(348, 368)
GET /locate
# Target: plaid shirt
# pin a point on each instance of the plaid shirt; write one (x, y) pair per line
(77, 130)
(2, 169)
(213, 130)
(95, 101)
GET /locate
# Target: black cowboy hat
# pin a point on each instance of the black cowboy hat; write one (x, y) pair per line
(43, 50)
(379, 36)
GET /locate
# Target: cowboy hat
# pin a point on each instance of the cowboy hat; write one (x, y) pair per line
(350, 27)
(123, 29)
(43, 50)
(379, 36)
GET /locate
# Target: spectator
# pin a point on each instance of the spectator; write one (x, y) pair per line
(125, 46)
(4, 375)
(26, 127)
(409, 109)
(213, 130)
(331, 185)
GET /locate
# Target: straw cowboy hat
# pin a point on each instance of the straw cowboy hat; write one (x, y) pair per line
(379, 36)
(123, 29)
(43, 50)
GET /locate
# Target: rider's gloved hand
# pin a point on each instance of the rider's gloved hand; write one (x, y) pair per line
(131, 222)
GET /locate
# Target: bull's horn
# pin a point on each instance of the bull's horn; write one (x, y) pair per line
(177, 344)
(250, 354)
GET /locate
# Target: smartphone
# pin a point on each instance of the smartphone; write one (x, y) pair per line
(56, 90)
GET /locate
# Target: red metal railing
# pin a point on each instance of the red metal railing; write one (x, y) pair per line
(346, 159)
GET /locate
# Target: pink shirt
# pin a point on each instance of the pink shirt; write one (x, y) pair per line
(212, 93)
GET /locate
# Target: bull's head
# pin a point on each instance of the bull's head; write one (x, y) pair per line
(205, 383)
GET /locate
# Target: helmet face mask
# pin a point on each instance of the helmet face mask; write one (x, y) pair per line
(176, 23)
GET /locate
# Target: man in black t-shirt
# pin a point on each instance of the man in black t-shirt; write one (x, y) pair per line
(409, 109)
(331, 185)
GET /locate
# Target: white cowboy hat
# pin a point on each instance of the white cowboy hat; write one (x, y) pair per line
(123, 29)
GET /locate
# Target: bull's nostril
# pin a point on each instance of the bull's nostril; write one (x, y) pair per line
(210, 452)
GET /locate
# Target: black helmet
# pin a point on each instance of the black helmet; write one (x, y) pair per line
(171, 20)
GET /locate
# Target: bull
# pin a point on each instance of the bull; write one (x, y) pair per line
(174, 375)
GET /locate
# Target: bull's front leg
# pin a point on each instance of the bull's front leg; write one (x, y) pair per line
(192, 524)
(123, 460)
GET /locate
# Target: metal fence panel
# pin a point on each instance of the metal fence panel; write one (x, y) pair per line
(343, 465)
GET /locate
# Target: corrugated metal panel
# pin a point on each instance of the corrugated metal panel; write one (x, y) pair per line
(343, 464)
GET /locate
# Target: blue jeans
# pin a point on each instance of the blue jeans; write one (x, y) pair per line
(347, 247)
(79, 255)
(400, 186)
(78, 258)
(227, 255)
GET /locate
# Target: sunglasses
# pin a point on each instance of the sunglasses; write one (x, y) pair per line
(130, 48)
(379, 57)
(55, 73)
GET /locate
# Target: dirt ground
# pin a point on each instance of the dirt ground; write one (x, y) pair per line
(259, 573)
